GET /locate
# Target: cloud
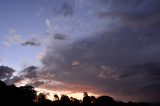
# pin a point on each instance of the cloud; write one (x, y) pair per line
(16, 79)
(75, 62)
(149, 70)
(136, 13)
(31, 42)
(65, 9)
(56, 36)
(106, 72)
(151, 90)
(121, 59)
(37, 83)
(59, 36)
(40, 55)
(13, 38)
(30, 75)
(30, 72)
(114, 61)
(6, 72)
(48, 23)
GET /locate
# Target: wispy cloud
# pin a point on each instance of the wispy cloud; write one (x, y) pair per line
(13, 38)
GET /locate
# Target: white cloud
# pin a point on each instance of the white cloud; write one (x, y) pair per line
(13, 38)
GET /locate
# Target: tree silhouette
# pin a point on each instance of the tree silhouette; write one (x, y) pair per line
(86, 99)
(10, 95)
(105, 100)
(65, 101)
(56, 97)
(41, 100)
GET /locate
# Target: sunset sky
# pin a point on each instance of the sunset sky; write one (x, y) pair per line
(104, 47)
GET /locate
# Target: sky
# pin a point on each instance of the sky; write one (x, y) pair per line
(103, 47)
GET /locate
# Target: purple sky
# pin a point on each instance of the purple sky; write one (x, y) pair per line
(102, 46)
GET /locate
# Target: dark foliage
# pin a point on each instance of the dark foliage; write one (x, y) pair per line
(10, 95)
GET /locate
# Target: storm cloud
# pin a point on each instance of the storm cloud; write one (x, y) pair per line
(119, 60)
(99, 46)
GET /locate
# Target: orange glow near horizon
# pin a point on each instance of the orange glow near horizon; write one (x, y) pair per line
(50, 93)
(77, 95)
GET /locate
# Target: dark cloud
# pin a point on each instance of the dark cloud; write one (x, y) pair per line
(33, 74)
(150, 90)
(27, 73)
(31, 42)
(30, 72)
(118, 61)
(57, 36)
(149, 70)
(103, 62)
(6, 72)
(136, 14)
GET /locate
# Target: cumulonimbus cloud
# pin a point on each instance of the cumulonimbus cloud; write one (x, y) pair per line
(121, 60)
(131, 40)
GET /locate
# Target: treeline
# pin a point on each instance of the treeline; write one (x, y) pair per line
(10, 95)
